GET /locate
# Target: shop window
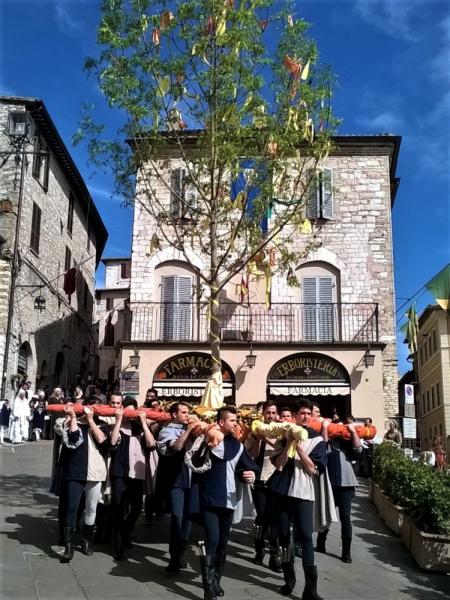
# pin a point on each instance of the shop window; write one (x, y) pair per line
(176, 316)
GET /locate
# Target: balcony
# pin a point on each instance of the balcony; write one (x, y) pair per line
(281, 323)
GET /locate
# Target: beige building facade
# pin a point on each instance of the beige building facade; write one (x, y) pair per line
(432, 364)
(48, 225)
(312, 341)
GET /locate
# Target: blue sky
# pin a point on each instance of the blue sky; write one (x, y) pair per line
(392, 59)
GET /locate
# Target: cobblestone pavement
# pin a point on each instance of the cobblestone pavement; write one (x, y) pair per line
(382, 569)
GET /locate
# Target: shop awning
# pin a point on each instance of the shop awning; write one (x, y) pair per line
(291, 388)
(187, 388)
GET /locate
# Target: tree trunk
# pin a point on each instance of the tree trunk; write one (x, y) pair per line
(214, 330)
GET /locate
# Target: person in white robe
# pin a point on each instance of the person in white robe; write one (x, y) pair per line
(20, 419)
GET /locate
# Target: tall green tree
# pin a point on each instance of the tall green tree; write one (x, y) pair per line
(231, 95)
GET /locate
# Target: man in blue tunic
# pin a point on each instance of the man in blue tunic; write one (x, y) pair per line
(218, 500)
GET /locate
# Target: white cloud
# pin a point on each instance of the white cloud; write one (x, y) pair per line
(440, 65)
(381, 113)
(103, 193)
(383, 122)
(67, 23)
(392, 17)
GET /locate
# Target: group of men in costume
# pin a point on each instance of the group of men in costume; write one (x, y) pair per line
(290, 486)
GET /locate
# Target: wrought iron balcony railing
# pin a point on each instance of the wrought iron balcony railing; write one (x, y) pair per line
(289, 323)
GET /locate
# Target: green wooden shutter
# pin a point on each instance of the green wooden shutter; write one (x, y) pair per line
(176, 198)
(312, 198)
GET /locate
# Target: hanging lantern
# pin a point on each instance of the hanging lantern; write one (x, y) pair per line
(39, 303)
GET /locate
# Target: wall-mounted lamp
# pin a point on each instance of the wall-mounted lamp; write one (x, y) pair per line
(250, 359)
(135, 360)
(39, 303)
(369, 358)
(19, 128)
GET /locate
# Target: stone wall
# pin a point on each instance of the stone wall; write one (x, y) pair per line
(62, 327)
(113, 274)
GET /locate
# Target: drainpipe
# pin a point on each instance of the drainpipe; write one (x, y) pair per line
(14, 273)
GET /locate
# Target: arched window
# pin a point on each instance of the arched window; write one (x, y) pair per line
(111, 373)
(109, 334)
(320, 298)
(60, 367)
(23, 359)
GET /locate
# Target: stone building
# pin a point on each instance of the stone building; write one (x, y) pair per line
(110, 314)
(313, 341)
(48, 225)
(432, 365)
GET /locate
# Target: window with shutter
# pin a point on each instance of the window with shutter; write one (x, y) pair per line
(318, 321)
(125, 270)
(176, 199)
(35, 228)
(22, 361)
(319, 201)
(184, 196)
(70, 213)
(176, 316)
(184, 308)
(41, 162)
(327, 194)
(68, 259)
(168, 300)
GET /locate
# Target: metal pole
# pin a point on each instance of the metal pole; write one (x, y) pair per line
(14, 269)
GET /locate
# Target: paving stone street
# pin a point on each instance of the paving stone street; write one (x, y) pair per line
(30, 569)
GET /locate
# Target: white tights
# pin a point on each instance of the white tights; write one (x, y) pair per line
(92, 495)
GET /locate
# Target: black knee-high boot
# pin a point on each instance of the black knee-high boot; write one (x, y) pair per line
(274, 560)
(310, 591)
(86, 539)
(69, 542)
(346, 550)
(119, 546)
(208, 570)
(287, 564)
(259, 544)
(321, 541)
(220, 564)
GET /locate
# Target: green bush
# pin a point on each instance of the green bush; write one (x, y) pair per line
(422, 491)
